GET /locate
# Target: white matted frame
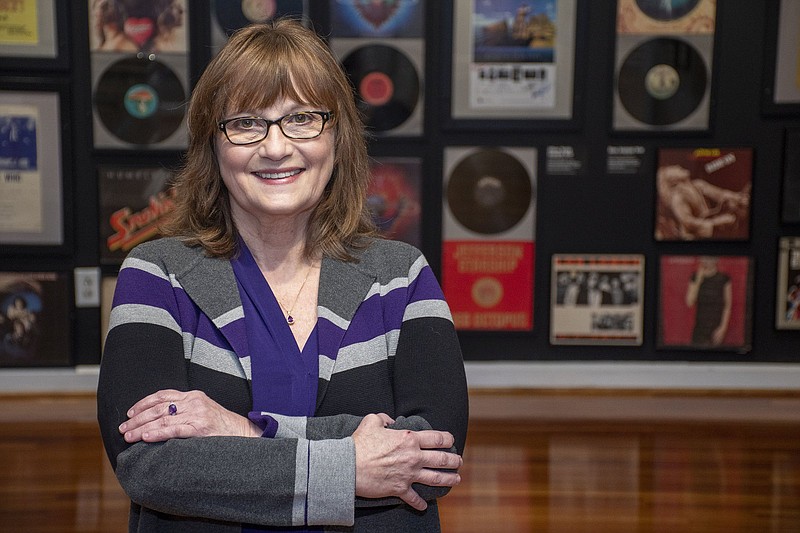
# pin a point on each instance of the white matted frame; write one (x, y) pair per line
(513, 84)
(34, 115)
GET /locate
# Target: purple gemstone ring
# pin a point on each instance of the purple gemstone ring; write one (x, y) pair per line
(173, 409)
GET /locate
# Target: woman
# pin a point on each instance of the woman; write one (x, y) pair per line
(265, 361)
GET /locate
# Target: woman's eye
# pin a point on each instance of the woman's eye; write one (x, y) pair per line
(299, 119)
(245, 123)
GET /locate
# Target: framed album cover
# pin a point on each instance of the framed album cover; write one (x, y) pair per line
(703, 194)
(705, 302)
(787, 300)
(133, 202)
(781, 94)
(394, 198)
(513, 62)
(596, 299)
(33, 34)
(34, 319)
(33, 154)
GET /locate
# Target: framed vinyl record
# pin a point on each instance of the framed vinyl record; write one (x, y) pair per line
(663, 65)
(513, 62)
(34, 148)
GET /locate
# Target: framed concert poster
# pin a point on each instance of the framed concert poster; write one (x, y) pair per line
(705, 302)
(597, 299)
(33, 34)
(34, 319)
(782, 60)
(513, 62)
(33, 126)
(787, 300)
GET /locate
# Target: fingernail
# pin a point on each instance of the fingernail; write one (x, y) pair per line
(130, 413)
(123, 427)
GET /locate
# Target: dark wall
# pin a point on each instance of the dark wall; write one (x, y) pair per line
(593, 212)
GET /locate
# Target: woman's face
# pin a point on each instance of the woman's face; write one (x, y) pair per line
(278, 178)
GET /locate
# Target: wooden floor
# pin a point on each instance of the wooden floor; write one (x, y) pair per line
(557, 461)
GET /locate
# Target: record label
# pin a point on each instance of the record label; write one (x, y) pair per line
(387, 83)
(662, 81)
(489, 192)
(140, 101)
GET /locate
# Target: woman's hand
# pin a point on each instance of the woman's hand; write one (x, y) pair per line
(388, 461)
(152, 419)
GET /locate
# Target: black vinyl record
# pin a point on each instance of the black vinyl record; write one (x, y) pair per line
(662, 81)
(233, 15)
(666, 11)
(387, 84)
(139, 100)
(489, 191)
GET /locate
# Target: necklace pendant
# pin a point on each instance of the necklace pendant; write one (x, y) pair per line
(290, 320)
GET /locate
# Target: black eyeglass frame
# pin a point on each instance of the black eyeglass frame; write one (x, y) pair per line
(326, 117)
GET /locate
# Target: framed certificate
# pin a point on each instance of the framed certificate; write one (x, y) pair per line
(513, 62)
(33, 154)
(33, 34)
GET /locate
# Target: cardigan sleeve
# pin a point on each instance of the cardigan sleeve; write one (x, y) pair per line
(281, 482)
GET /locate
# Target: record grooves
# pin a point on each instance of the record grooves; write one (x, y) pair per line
(662, 81)
(489, 191)
(140, 101)
(387, 84)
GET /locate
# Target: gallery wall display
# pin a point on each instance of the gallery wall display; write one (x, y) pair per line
(536, 151)
(32, 162)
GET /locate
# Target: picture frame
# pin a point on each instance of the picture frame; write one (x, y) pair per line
(787, 298)
(703, 194)
(597, 299)
(35, 38)
(499, 84)
(696, 293)
(35, 196)
(781, 74)
(790, 186)
(35, 328)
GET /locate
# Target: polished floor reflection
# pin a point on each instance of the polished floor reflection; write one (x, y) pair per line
(539, 462)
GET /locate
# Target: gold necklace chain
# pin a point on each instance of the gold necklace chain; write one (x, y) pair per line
(289, 317)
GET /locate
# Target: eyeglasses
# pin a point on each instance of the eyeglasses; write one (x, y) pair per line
(249, 130)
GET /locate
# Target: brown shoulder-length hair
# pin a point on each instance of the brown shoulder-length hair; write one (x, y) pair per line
(260, 64)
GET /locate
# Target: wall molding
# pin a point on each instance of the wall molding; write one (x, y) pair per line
(508, 375)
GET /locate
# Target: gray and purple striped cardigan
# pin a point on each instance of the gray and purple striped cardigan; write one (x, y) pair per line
(387, 344)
